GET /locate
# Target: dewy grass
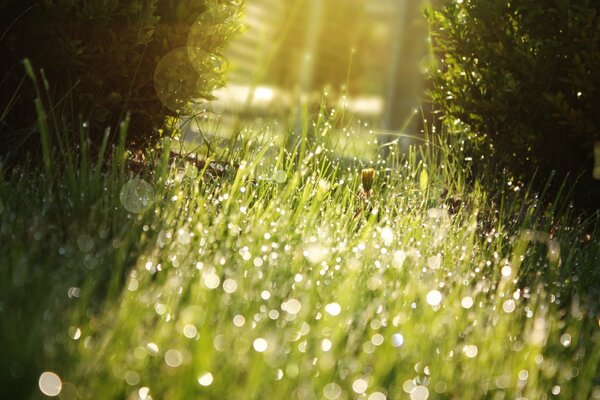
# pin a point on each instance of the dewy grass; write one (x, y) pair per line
(266, 285)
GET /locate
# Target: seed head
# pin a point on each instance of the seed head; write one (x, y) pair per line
(368, 175)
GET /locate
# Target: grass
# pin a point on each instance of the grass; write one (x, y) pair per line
(279, 281)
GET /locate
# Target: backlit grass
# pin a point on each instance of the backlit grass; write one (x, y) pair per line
(277, 280)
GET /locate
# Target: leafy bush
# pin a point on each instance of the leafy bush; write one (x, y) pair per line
(524, 76)
(103, 59)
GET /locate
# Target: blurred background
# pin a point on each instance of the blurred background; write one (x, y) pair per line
(365, 58)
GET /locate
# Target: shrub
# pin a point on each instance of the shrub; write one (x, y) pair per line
(103, 59)
(524, 76)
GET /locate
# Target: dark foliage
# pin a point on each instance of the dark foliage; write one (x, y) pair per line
(524, 76)
(104, 58)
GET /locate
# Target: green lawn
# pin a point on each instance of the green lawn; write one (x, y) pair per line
(278, 281)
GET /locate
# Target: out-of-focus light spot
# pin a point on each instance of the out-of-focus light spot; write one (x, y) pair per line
(280, 176)
(466, 302)
(377, 339)
(333, 309)
(419, 393)
(144, 393)
(387, 235)
(136, 196)
(409, 386)
(292, 306)
(470, 351)
(315, 253)
(229, 286)
(152, 348)
(239, 320)
(190, 331)
(565, 340)
(360, 386)
(50, 384)
(205, 379)
(399, 257)
(212, 281)
(377, 396)
(434, 261)
(397, 340)
(260, 345)
(434, 298)
(509, 306)
(173, 358)
(332, 391)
